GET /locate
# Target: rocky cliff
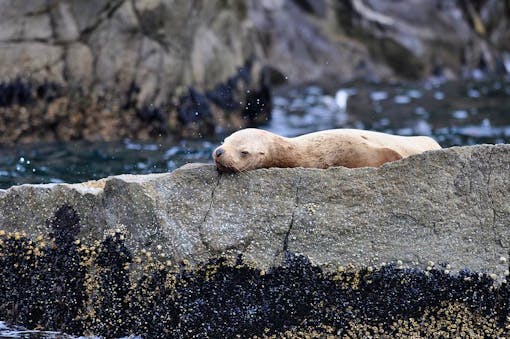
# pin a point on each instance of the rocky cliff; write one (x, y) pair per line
(448, 206)
(106, 46)
(124, 68)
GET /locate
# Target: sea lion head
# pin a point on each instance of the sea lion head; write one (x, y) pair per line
(244, 150)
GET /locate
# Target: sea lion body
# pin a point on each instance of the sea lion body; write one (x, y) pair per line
(254, 148)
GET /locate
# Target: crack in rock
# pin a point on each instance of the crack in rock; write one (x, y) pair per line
(167, 46)
(201, 225)
(291, 223)
(51, 40)
(105, 13)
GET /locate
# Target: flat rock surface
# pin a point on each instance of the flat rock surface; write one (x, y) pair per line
(449, 206)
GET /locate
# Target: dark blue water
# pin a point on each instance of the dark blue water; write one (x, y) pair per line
(82, 161)
(461, 113)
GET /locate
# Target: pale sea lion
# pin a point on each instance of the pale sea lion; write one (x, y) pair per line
(253, 148)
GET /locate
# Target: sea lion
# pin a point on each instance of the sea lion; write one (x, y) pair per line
(253, 148)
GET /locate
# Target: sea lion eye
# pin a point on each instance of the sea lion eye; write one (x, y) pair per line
(244, 153)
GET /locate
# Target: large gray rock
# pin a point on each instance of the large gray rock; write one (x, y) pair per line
(448, 206)
(109, 45)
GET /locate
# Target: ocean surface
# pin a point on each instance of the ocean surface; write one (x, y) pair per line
(454, 113)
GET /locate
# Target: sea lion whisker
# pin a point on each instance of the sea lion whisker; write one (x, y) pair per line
(243, 172)
(246, 173)
(247, 168)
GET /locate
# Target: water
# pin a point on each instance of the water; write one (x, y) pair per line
(461, 113)
(81, 161)
(12, 331)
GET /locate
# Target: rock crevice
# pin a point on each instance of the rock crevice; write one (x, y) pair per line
(292, 217)
(203, 238)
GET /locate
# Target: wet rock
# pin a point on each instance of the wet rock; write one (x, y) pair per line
(45, 61)
(19, 92)
(449, 206)
(46, 111)
(193, 110)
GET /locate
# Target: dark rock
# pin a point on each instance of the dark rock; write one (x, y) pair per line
(258, 107)
(221, 298)
(44, 285)
(193, 107)
(315, 7)
(194, 114)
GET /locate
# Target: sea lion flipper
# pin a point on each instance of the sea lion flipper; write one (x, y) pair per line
(387, 154)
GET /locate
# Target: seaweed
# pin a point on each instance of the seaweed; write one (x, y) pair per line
(25, 92)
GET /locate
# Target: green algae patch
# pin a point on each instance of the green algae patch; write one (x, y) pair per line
(61, 284)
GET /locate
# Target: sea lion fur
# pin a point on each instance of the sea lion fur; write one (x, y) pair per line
(253, 148)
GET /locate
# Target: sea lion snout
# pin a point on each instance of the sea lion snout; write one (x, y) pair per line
(219, 151)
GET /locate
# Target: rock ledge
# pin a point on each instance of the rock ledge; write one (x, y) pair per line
(449, 206)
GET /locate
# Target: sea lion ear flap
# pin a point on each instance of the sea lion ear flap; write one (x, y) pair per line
(388, 154)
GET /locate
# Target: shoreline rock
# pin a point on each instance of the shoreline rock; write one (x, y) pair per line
(448, 206)
(32, 111)
(142, 69)
(159, 45)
